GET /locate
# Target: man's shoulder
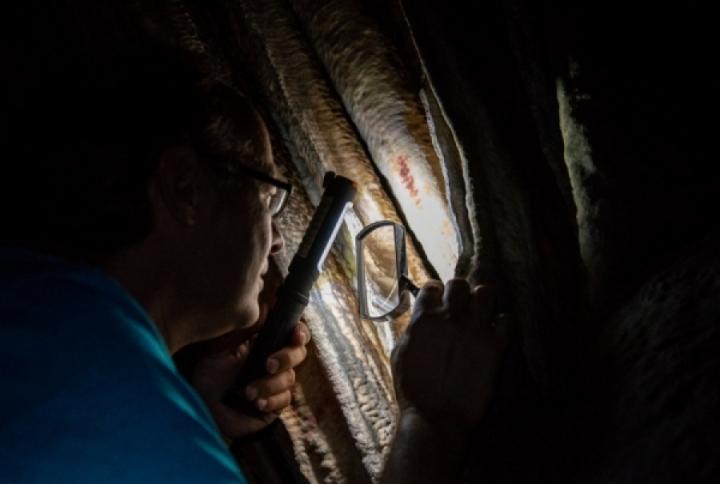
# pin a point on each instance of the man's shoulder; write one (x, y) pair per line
(38, 283)
(75, 314)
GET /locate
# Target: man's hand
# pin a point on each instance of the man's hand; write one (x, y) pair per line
(213, 374)
(444, 367)
(446, 363)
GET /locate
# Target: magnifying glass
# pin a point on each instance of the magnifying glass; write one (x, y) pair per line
(383, 284)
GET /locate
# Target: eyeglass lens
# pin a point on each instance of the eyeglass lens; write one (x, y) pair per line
(278, 200)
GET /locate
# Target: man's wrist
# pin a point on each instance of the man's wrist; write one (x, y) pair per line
(425, 450)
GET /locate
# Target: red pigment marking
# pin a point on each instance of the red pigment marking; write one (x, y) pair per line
(407, 178)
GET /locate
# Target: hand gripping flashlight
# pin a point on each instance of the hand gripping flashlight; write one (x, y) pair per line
(293, 294)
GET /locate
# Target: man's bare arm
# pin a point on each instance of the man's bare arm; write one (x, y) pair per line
(423, 453)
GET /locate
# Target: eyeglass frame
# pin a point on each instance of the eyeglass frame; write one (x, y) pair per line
(264, 177)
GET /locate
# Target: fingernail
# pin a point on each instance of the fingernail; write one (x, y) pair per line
(306, 337)
(251, 393)
(272, 366)
(261, 404)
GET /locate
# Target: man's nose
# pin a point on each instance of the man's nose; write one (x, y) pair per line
(278, 243)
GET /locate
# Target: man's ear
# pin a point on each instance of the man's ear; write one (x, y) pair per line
(178, 180)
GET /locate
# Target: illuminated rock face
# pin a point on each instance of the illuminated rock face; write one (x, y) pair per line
(370, 79)
(365, 86)
(353, 353)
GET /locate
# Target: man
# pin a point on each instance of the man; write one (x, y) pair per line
(133, 237)
(146, 223)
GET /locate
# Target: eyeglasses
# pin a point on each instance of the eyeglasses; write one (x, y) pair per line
(279, 199)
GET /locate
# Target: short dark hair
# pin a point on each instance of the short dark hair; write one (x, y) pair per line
(85, 134)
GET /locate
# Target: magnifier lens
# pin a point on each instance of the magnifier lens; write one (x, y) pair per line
(382, 281)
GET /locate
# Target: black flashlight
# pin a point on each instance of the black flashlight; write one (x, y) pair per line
(294, 293)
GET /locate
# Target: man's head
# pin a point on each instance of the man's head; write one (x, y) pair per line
(217, 216)
(137, 160)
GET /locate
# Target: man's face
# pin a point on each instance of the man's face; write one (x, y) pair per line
(239, 235)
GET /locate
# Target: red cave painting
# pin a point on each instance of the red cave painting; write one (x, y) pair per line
(408, 180)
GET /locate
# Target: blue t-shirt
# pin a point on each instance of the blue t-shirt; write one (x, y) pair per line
(88, 390)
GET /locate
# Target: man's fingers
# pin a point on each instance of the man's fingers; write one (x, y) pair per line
(274, 403)
(430, 296)
(301, 334)
(457, 293)
(267, 387)
(285, 359)
(291, 356)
